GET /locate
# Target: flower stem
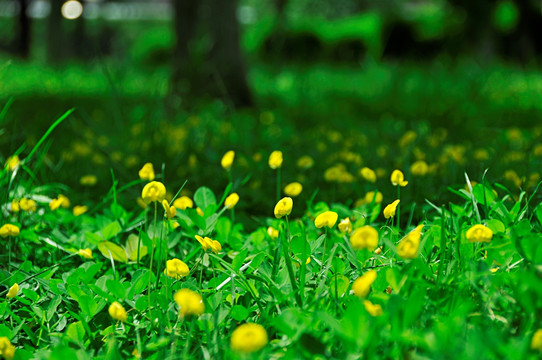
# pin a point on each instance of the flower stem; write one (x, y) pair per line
(278, 184)
(152, 251)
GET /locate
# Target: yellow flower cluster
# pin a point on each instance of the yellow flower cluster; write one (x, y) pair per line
(176, 268)
(207, 243)
(189, 302)
(7, 349)
(60, 201)
(9, 230)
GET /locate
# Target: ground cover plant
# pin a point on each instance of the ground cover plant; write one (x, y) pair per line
(175, 276)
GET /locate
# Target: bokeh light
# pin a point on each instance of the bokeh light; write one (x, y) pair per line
(72, 9)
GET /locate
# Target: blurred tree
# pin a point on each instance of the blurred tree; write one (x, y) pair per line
(54, 32)
(23, 37)
(225, 75)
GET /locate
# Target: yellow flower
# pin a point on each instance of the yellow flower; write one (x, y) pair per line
(88, 180)
(275, 160)
(345, 226)
(7, 349)
(398, 179)
(147, 172)
(536, 342)
(419, 168)
(362, 285)
(327, 218)
(190, 302)
(409, 245)
(170, 210)
(54, 204)
(86, 253)
(79, 210)
(61, 200)
(9, 230)
(272, 232)
(305, 162)
(207, 243)
(284, 207)
(183, 202)
(176, 268)
(12, 163)
(13, 291)
(199, 211)
(408, 138)
(373, 309)
(227, 160)
(28, 205)
(365, 237)
(368, 174)
(293, 189)
(15, 206)
(479, 233)
(153, 191)
(248, 338)
(117, 312)
(389, 211)
(231, 201)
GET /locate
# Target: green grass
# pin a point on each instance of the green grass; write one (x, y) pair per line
(454, 299)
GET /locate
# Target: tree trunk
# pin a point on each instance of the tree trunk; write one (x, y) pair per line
(226, 54)
(54, 32)
(23, 43)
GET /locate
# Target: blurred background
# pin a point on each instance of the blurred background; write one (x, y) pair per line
(347, 83)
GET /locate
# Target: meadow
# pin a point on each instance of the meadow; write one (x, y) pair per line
(365, 206)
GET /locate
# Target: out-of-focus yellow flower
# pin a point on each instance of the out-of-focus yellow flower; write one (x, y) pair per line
(327, 218)
(513, 177)
(373, 309)
(293, 189)
(248, 338)
(536, 341)
(368, 174)
(365, 237)
(227, 160)
(13, 291)
(15, 206)
(389, 211)
(199, 211)
(117, 312)
(283, 207)
(189, 302)
(61, 200)
(79, 210)
(305, 162)
(272, 232)
(207, 243)
(12, 163)
(88, 180)
(419, 168)
(481, 154)
(408, 138)
(147, 172)
(7, 349)
(231, 201)
(398, 179)
(176, 268)
(86, 253)
(171, 211)
(28, 205)
(153, 191)
(275, 159)
(9, 230)
(362, 285)
(345, 226)
(370, 197)
(409, 245)
(479, 233)
(537, 150)
(183, 202)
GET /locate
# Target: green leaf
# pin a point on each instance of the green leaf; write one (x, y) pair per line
(109, 249)
(76, 331)
(88, 305)
(116, 288)
(239, 313)
(111, 230)
(341, 282)
(131, 247)
(496, 226)
(239, 259)
(204, 197)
